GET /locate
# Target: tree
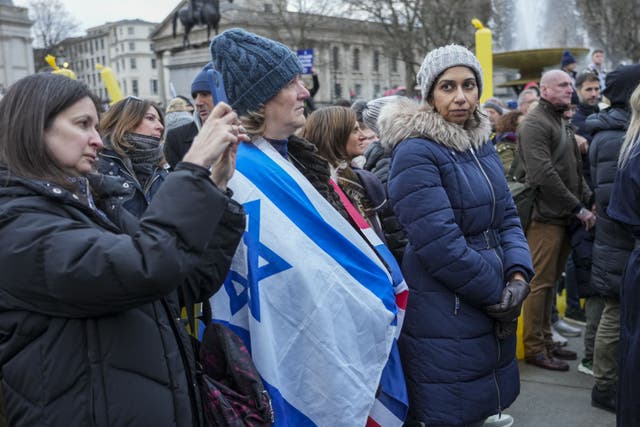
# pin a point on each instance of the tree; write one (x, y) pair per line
(52, 23)
(414, 27)
(297, 18)
(613, 25)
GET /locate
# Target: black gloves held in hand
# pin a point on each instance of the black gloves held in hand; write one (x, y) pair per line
(513, 295)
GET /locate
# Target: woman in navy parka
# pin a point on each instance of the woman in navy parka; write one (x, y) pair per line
(467, 262)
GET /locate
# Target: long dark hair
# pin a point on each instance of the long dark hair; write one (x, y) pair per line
(329, 129)
(27, 110)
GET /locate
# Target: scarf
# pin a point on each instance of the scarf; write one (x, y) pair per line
(143, 156)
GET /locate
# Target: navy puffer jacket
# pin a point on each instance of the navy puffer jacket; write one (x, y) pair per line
(111, 163)
(613, 243)
(447, 187)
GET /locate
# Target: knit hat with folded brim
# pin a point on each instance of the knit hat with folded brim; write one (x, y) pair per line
(253, 68)
(441, 59)
(371, 111)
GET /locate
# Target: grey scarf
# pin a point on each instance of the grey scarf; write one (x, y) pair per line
(144, 155)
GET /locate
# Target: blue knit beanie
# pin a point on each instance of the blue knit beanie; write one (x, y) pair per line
(201, 82)
(567, 59)
(254, 69)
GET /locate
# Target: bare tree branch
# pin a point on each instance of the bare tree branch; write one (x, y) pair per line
(52, 22)
(614, 25)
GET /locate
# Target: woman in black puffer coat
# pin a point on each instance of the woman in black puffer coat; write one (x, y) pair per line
(87, 295)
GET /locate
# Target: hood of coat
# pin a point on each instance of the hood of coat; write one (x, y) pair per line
(407, 118)
(609, 119)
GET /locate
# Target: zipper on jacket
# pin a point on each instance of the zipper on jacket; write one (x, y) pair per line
(493, 194)
(456, 306)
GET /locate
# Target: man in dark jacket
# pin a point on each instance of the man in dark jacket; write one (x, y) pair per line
(561, 195)
(613, 244)
(179, 139)
(578, 271)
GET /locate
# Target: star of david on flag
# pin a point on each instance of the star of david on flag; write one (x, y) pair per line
(303, 287)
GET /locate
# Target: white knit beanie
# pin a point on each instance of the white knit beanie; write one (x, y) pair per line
(439, 60)
(372, 109)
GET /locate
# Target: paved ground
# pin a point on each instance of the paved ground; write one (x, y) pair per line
(557, 399)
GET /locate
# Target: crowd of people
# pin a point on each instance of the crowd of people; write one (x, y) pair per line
(367, 255)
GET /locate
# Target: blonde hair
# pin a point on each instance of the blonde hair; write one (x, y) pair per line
(254, 122)
(632, 137)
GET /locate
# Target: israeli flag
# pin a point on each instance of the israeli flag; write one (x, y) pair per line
(308, 295)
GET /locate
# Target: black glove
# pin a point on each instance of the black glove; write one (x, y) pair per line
(513, 295)
(505, 329)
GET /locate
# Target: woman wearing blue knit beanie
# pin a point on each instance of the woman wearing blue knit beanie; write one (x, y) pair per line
(308, 291)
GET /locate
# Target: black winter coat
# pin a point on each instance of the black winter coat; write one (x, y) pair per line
(87, 299)
(178, 141)
(378, 162)
(613, 244)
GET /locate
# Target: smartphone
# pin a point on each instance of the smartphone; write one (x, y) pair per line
(217, 86)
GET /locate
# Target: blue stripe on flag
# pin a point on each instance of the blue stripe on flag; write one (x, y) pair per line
(286, 194)
(293, 417)
(394, 392)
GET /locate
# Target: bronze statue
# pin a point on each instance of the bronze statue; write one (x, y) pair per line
(199, 12)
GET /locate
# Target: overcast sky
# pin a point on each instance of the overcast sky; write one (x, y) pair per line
(90, 13)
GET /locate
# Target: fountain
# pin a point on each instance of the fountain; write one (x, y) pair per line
(530, 59)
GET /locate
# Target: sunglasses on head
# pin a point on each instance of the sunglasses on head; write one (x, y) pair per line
(130, 98)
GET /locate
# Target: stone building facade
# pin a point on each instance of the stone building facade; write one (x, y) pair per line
(125, 47)
(16, 54)
(349, 56)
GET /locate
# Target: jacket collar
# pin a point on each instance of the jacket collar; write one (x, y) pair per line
(407, 118)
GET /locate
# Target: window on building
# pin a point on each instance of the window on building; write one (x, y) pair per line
(358, 90)
(335, 57)
(394, 64)
(124, 86)
(132, 46)
(153, 63)
(121, 47)
(376, 61)
(134, 87)
(268, 8)
(123, 67)
(93, 64)
(356, 59)
(130, 30)
(133, 63)
(120, 30)
(90, 47)
(86, 63)
(154, 86)
(101, 43)
(376, 91)
(118, 66)
(337, 90)
(103, 61)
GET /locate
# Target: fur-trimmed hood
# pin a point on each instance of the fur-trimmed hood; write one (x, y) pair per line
(407, 118)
